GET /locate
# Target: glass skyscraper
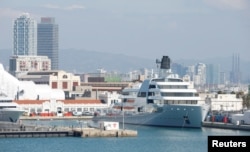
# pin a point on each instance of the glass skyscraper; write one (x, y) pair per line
(213, 74)
(47, 40)
(24, 36)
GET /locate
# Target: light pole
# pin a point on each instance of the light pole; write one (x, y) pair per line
(122, 117)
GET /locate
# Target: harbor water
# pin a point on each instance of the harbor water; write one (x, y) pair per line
(160, 139)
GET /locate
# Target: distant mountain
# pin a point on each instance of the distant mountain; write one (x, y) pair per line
(83, 61)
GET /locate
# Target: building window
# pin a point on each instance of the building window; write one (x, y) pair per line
(66, 109)
(65, 85)
(75, 83)
(65, 76)
(39, 110)
(54, 85)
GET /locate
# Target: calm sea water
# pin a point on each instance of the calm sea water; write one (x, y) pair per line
(149, 139)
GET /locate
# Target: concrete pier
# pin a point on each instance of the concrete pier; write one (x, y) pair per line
(29, 134)
(15, 130)
(222, 125)
(92, 132)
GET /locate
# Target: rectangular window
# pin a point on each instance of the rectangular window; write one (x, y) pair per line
(65, 85)
(75, 84)
(142, 94)
(79, 109)
(66, 109)
(54, 85)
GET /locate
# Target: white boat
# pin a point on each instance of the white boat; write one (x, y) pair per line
(8, 110)
(163, 101)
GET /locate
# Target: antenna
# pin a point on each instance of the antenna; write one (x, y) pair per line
(158, 62)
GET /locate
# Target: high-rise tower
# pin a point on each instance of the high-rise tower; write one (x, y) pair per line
(47, 40)
(235, 74)
(200, 74)
(24, 36)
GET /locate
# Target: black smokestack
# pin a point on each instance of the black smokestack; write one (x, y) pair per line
(165, 62)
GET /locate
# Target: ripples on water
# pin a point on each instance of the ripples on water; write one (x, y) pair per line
(156, 139)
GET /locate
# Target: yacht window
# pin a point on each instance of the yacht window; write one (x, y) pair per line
(150, 101)
(194, 102)
(142, 94)
(6, 101)
(125, 93)
(176, 102)
(151, 86)
(151, 93)
(7, 107)
(172, 86)
(177, 94)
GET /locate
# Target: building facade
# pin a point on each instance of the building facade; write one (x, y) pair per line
(54, 107)
(212, 74)
(235, 74)
(200, 74)
(47, 40)
(225, 102)
(22, 64)
(24, 35)
(56, 79)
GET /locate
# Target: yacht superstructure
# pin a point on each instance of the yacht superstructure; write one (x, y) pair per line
(163, 101)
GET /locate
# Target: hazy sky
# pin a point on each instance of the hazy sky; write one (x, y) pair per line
(147, 28)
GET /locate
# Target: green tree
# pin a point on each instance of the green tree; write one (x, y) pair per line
(246, 101)
(239, 94)
(220, 92)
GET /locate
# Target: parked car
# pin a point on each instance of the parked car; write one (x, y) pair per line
(87, 113)
(76, 113)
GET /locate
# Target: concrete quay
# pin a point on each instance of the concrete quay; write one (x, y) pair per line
(15, 130)
(36, 134)
(93, 132)
(222, 125)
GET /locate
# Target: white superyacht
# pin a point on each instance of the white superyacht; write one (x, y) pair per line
(164, 101)
(8, 110)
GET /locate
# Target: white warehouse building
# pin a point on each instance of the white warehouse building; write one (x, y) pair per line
(225, 102)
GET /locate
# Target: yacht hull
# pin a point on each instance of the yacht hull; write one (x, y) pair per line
(190, 116)
(10, 114)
